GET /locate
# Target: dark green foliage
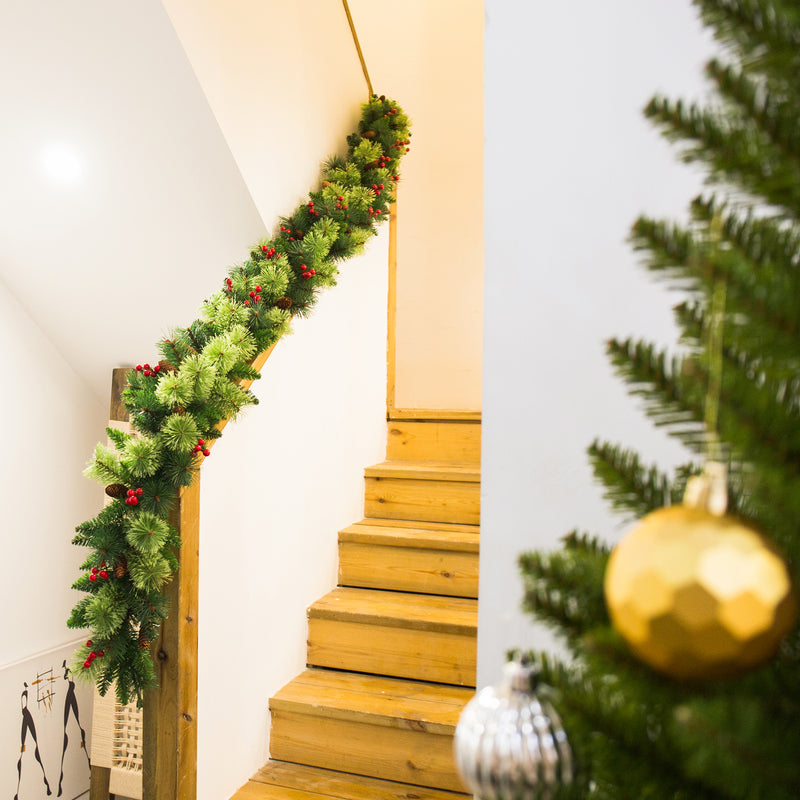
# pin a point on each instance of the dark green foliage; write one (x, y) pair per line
(177, 402)
(636, 734)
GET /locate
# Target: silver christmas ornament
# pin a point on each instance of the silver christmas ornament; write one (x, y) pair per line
(509, 744)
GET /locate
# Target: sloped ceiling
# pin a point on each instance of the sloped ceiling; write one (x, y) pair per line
(121, 202)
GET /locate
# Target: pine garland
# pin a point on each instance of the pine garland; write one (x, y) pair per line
(176, 405)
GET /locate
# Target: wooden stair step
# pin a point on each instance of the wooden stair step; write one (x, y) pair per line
(423, 491)
(385, 728)
(418, 636)
(278, 780)
(390, 554)
(413, 440)
(425, 471)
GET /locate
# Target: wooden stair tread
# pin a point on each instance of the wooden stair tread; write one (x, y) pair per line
(279, 780)
(425, 470)
(388, 702)
(400, 533)
(399, 609)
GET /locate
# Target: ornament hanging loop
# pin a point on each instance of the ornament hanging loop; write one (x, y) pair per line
(709, 490)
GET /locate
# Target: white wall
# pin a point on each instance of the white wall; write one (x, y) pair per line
(285, 86)
(428, 55)
(570, 163)
(51, 422)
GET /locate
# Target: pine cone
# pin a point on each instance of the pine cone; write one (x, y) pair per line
(284, 302)
(179, 410)
(122, 567)
(116, 489)
(144, 642)
(166, 366)
(325, 184)
(369, 134)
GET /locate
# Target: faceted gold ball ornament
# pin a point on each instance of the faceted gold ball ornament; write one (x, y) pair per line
(697, 595)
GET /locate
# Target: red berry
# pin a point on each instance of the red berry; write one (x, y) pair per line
(147, 366)
(139, 493)
(130, 492)
(156, 369)
(88, 642)
(92, 655)
(206, 452)
(87, 664)
(263, 248)
(306, 275)
(147, 373)
(313, 271)
(95, 570)
(374, 185)
(380, 186)
(201, 441)
(101, 653)
(247, 302)
(93, 577)
(258, 298)
(138, 367)
(103, 574)
(252, 294)
(134, 501)
(258, 288)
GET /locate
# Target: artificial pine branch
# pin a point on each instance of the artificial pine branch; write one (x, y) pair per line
(630, 486)
(733, 153)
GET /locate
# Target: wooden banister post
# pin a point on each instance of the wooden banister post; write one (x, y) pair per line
(170, 711)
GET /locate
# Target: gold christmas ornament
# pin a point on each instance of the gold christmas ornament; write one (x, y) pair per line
(697, 594)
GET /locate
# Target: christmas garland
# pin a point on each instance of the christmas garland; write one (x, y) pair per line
(176, 405)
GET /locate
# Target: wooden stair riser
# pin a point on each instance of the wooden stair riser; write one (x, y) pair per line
(423, 500)
(396, 754)
(280, 780)
(408, 569)
(458, 442)
(393, 651)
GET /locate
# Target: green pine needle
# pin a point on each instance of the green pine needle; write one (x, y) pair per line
(180, 433)
(147, 533)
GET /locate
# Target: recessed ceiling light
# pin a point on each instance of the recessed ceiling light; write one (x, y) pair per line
(61, 163)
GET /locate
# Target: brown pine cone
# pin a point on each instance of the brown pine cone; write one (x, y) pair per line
(144, 642)
(325, 184)
(166, 366)
(284, 302)
(115, 489)
(369, 134)
(122, 567)
(179, 410)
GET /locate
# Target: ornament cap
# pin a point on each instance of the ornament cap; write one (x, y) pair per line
(520, 675)
(709, 490)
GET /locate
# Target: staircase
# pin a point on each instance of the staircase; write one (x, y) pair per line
(392, 650)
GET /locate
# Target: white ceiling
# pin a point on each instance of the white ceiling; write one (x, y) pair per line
(121, 203)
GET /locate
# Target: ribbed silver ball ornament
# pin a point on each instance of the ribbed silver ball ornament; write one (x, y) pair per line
(509, 744)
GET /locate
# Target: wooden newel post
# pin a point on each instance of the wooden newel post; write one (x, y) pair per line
(169, 769)
(169, 724)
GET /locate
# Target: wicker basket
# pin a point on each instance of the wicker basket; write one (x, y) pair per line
(117, 744)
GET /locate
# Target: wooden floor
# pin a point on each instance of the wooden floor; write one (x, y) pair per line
(392, 650)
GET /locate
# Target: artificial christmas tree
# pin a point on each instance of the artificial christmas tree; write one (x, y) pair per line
(733, 394)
